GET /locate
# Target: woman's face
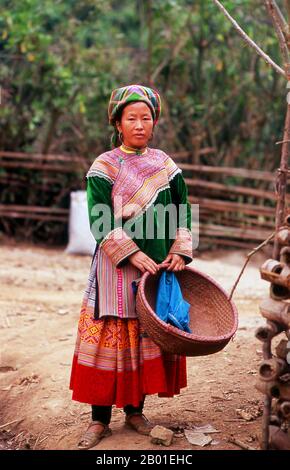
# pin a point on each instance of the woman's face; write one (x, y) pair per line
(136, 124)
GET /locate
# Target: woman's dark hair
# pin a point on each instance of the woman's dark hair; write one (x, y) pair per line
(115, 139)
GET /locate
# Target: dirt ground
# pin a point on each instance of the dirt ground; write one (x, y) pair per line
(40, 298)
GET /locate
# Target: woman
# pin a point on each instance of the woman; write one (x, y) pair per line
(115, 362)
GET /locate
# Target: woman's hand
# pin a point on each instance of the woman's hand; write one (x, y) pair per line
(173, 262)
(143, 262)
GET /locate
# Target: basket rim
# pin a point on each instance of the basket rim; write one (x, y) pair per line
(168, 328)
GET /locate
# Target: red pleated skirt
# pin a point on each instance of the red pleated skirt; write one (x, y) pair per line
(116, 363)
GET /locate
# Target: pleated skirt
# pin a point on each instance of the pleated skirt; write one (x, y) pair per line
(115, 362)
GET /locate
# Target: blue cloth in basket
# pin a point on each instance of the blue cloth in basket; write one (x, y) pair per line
(170, 305)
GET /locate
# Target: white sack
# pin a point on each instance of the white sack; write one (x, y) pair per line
(81, 240)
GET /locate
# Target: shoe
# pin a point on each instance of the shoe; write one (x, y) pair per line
(92, 437)
(139, 423)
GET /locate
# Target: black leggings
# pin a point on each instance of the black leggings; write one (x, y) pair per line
(104, 413)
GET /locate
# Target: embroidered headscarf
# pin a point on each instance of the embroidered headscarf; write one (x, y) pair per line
(120, 97)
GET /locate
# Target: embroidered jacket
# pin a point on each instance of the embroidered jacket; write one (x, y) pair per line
(127, 194)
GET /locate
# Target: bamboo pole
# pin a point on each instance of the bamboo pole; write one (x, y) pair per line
(38, 209)
(39, 156)
(44, 167)
(228, 171)
(229, 231)
(228, 206)
(223, 188)
(32, 216)
(232, 243)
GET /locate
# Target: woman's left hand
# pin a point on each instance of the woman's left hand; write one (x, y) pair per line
(174, 262)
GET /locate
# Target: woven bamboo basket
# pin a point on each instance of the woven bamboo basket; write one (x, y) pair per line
(213, 316)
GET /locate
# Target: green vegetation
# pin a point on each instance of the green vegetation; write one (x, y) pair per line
(61, 59)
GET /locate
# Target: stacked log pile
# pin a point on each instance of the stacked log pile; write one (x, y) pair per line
(274, 371)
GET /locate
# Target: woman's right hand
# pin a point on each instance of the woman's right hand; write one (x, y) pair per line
(143, 262)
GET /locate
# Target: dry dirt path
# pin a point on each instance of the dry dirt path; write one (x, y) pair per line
(40, 297)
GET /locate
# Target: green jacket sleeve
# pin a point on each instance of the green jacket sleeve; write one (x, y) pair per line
(183, 239)
(107, 233)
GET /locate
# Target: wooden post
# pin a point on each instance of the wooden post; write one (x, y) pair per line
(281, 181)
(281, 184)
(149, 42)
(282, 28)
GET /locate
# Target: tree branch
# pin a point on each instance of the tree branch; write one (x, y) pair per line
(249, 41)
(281, 18)
(270, 5)
(173, 53)
(249, 255)
(287, 6)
